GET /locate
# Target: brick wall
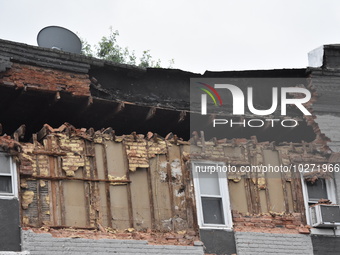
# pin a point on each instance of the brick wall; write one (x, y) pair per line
(285, 223)
(46, 79)
(248, 243)
(37, 243)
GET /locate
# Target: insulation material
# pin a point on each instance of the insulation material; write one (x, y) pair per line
(27, 199)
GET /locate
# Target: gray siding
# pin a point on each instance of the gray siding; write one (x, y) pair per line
(46, 244)
(252, 243)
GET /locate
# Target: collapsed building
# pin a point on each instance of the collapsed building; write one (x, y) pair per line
(99, 157)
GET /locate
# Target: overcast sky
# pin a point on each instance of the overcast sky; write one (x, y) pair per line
(200, 35)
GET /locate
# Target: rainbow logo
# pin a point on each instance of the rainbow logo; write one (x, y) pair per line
(210, 91)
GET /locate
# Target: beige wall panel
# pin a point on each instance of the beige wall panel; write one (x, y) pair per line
(103, 205)
(274, 182)
(115, 159)
(119, 207)
(238, 199)
(74, 198)
(161, 192)
(263, 202)
(140, 199)
(99, 161)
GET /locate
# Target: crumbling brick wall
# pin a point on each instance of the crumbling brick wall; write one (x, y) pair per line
(263, 201)
(97, 180)
(32, 77)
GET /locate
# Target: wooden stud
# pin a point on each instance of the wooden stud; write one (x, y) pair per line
(61, 193)
(248, 193)
(19, 133)
(268, 203)
(203, 141)
(54, 191)
(284, 184)
(151, 113)
(87, 193)
(152, 206)
(39, 207)
(171, 190)
(128, 188)
(107, 187)
(186, 183)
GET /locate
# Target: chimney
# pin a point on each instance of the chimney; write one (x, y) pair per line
(325, 57)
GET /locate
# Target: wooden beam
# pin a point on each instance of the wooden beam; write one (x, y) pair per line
(128, 188)
(19, 133)
(54, 191)
(171, 189)
(107, 187)
(61, 192)
(58, 178)
(151, 113)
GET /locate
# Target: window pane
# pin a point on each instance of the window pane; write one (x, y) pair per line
(5, 184)
(5, 166)
(317, 190)
(209, 184)
(212, 210)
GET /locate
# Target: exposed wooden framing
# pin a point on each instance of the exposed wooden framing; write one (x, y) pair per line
(252, 194)
(61, 193)
(300, 198)
(284, 188)
(152, 206)
(19, 133)
(257, 194)
(70, 227)
(128, 188)
(39, 209)
(151, 113)
(247, 182)
(44, 131)
(54, 190)
(186, 183)
(284, 185)
(48, 153)
(58, 178)
(89, 150)
(107, 187)
(182, 116)
(294, 195)
(171, 189)
(202, 141)
(87, 192)
(268, 203)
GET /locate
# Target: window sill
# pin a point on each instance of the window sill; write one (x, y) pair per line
(229, 229)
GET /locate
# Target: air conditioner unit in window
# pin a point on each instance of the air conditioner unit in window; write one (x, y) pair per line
(325, 216)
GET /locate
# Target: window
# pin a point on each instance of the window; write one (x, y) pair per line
(7, 176)
(320, 189)
(212, 196)
(314, 191)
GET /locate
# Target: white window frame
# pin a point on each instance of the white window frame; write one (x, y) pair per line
(13, 175)
(224, 191)
(331, 193)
